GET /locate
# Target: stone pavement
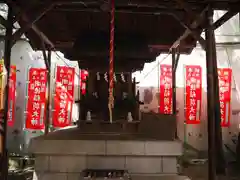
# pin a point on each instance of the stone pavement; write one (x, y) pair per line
(200, 172)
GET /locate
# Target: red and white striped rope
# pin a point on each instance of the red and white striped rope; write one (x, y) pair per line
(111, 55)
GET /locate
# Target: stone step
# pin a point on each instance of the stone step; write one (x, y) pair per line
(133, 164)
(159, 177)
(104, 147)
(146, 177)
(72, 176)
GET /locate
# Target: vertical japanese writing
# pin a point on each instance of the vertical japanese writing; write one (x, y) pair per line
(225, 79)
(36, 103)
(1, 82)
(193, 90)
(83, 78)
(12, 96)
(165, 101)
(64, 99)
(11, 92)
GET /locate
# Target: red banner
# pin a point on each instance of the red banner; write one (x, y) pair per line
(63, 100)
(12, 96)
(11, 93)
(36, 102)
(165, 101)
(225, 80)
(193, 94)
(83, 78)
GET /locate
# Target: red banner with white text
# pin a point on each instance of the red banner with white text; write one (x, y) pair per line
(11, 92)
(64, 96)
(12, 96)
(36, 99)
(225, 80)
(193, 91)
(165, 101)
(83, 78)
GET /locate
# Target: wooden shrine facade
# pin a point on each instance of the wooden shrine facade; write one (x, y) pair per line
(96, 97)
(143, 30)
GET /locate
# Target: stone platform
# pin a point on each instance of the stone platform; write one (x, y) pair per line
(63, 155)
(146, 147)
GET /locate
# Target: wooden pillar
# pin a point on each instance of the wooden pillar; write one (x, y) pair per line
(130, 85)
(90, 83)
(7, 63)
(49, 100)
(219, 154)
(79, 96)
(210, 63)
(174, 100)
(175, 59)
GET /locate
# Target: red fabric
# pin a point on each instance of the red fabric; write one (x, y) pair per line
(64, 97)
(83, 78)
(225, 81)
(12, 96)
(165, 101)
(36, 103)
(193, 90)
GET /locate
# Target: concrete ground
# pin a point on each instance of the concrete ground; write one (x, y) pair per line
(200, 172)
(194, 165)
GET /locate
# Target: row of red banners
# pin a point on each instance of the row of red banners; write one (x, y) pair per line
(64, 92)
(193, 93)
(63, 98)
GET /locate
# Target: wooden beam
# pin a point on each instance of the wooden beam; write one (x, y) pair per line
(3, 21)
(193, 32)
(228, 15)
(166, 47)
(120, 9)
(187, 8)
(43, 36)
(16, 9)
(197, 22)
(45, 54)
(29, 22)
(194, 25)
(177, 53)
(216, 5)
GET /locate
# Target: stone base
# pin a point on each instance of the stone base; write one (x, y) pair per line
(66, 159)
(75, 176)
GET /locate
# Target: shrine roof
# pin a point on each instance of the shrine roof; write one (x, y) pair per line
(143, 29)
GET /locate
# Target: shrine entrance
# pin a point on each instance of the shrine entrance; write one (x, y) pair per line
(117, 39)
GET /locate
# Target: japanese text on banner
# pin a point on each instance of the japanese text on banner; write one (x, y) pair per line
(225, 80)
(11, 92)
(83, 78)
(63, 100)
(2, 84)
(193, 89)
(36, 100)
(12, 96)
(165, 101)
